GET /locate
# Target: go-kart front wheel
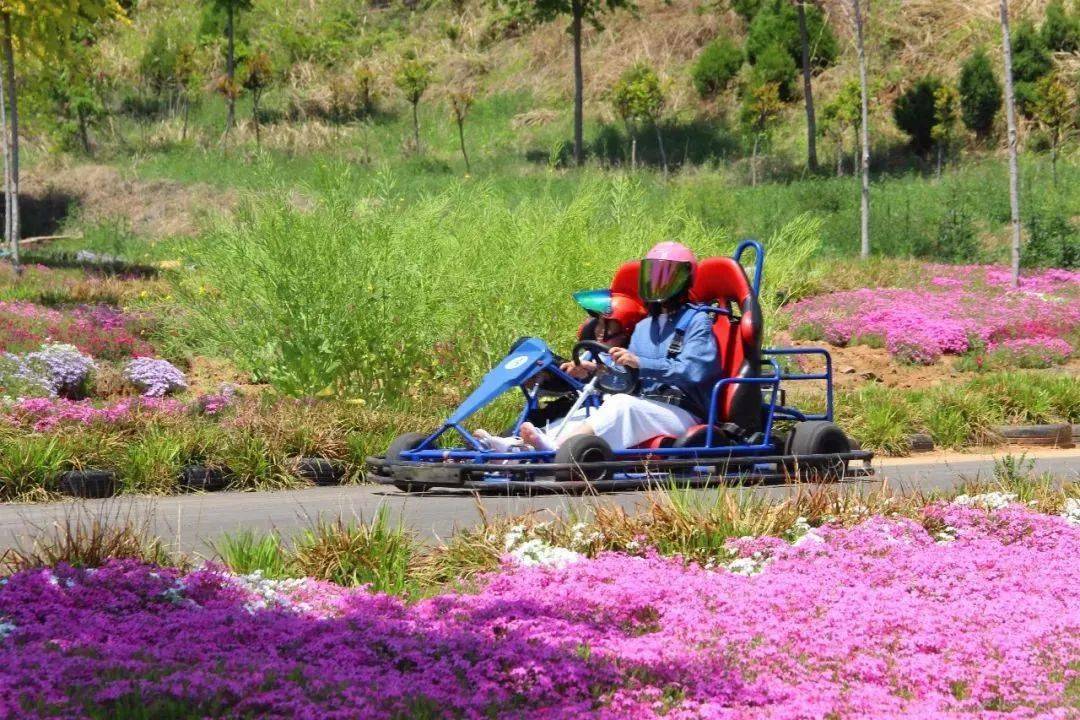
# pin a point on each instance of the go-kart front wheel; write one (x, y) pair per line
(404, 443)
(818, 437)
(581, 449)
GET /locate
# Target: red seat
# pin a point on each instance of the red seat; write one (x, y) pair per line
(722, 281)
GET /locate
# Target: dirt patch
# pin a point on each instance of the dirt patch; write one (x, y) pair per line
(152, 208)
(857, 365)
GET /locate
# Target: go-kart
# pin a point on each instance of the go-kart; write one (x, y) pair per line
(749, 434)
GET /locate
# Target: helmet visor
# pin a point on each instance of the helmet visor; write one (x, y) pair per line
(595, 302)
(662, 280)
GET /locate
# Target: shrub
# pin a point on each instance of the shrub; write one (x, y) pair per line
(716, 66)
(1061, 31)
(777, 22)
(913, 112)
(746, 9)
(775, 67)
(1031, 61)
(980, 93)
(1052, 241)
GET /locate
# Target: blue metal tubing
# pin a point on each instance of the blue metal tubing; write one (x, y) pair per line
(826, 376)
(773, 381)
(759, 261)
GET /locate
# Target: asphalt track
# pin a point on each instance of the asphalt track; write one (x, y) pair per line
(188, 523)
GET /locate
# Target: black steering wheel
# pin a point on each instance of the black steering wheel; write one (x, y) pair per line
(610, 377)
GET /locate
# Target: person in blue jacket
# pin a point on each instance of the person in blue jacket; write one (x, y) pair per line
(675, 353)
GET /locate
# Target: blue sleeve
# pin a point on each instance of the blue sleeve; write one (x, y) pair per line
(694, 365)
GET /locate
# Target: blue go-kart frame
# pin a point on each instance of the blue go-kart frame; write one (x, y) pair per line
(472, 467)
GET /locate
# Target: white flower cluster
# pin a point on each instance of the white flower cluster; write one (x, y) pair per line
(269, 593)
(748, 565)
(801, 532)
(947, 535)
(987, 501)
(6, 628)
(535, 552)
(1071, 511)
(578, 538)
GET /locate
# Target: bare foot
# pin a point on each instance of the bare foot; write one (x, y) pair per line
(532, 436)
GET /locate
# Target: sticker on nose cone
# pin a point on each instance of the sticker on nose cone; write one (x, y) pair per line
(515, 363)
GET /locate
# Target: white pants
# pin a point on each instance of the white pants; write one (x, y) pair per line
(624, 421)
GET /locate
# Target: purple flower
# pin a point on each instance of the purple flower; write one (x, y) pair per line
(61, 368)
(155, 377)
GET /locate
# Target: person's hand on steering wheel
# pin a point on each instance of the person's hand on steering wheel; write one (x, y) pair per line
(579, 371)
(624, 357)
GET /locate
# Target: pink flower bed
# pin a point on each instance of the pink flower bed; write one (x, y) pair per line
(43, 414)
(876, 621)
(961, 307)
(98, 330)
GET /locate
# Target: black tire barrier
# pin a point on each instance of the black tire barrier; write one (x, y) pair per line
(1056, 435)
(920, 442)
(1076, 434)
(196, 478)
(88, 483)
(320, 471)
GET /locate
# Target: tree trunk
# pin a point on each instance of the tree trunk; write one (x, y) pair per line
(230, 72)
(7, 170)
(461, 139)
(11, 141)
(183, 131)
(660, 142)
(840, 156)
(808, 91)
(753, 161)
(1054, 157)
(84, 132)
(633, 151)
(416, 127)
(578, 10)
(864, 135)
(940, 152)
(255, 116)
(1014, 170)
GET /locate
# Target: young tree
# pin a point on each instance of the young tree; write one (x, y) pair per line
(1031, 60)
(413, 78)
(840, 114)
(228, 86)
(864, 132)
(1061, 31)
(1053, 110)
(1010, 117)
(460, 103)
(760, 110)
(980, 94)
(186, 77)
(638, 97)
(716, 66)
(774, 65)
(43, 29)
(257, 77)
(913, 112)
(580, 12)
(946, 117)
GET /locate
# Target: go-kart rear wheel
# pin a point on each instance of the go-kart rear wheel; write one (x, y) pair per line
(582, 449)
(817, 437)
(404, 443)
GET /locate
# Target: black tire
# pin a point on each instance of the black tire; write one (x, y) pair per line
(320, 471)
(1056, 435)
(582, 449)
(88, 483)
(920, 442)
(818, 437)
(197, 478)
(404, 443)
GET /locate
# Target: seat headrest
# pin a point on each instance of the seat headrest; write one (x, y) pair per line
(625, 281)
(720, 279)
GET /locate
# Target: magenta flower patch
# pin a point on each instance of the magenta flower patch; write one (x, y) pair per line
(961, 308)
(880, 620)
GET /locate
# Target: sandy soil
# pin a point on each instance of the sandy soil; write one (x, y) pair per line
(152, 208)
